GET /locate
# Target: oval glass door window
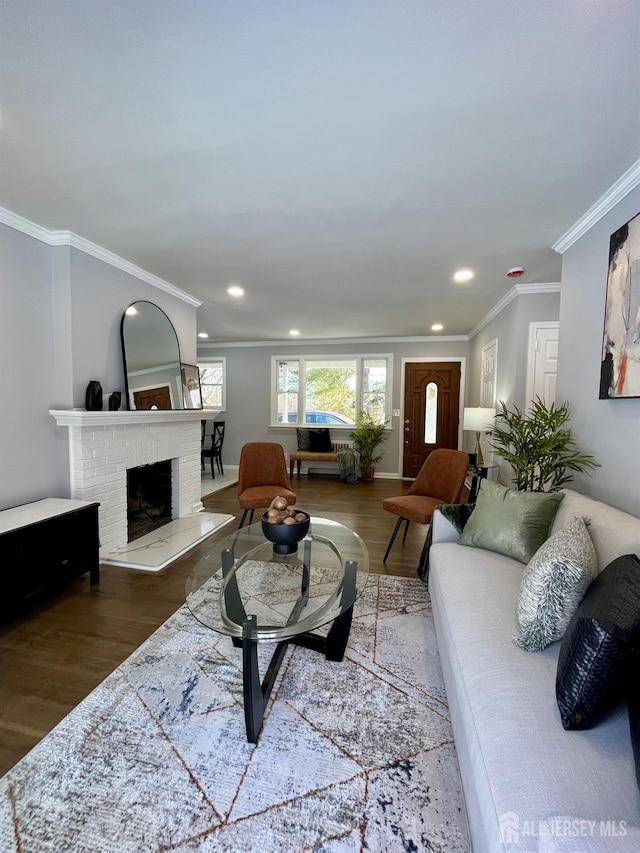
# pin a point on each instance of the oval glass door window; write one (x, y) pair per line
(430, 412)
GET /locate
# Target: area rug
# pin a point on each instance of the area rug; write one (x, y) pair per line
(353, 756)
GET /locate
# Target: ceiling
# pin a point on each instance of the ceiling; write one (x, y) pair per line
(339, 160)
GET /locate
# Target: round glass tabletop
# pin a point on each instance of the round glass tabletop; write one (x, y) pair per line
(288, 594)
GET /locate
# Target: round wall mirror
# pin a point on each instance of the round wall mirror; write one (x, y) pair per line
(151, 356)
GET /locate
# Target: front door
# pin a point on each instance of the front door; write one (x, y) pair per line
(431, 411)
(150, 397)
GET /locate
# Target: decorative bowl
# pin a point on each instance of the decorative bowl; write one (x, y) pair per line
(285, 537)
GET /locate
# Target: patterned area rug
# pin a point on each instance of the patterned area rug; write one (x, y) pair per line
(353, 756)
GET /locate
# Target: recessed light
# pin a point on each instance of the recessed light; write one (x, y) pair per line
(463, 275)
(294, 332)
(235, 290)
(131, 310)
(437, 327)
(203, 335)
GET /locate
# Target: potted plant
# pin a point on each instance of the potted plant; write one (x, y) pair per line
(538, 446)
(348, 463)
(366, 437)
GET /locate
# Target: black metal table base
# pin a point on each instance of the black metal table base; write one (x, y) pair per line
(255, 692)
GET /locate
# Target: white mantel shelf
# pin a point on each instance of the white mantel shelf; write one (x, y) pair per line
(80, 417)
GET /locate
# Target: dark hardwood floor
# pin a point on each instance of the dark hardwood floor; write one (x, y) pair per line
(53, 654)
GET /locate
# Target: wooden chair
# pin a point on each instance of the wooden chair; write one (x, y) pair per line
(439, 481)
(262, 476)
(212, 446)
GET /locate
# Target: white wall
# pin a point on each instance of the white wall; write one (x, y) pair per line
(60, 312)
(610, 429)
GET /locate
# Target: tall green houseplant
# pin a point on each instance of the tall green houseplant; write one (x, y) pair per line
(538, 446)
(367, 436)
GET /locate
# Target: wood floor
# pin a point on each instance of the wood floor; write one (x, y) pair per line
(54, 654)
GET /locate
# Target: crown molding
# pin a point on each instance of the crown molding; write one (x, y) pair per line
(622, 187)
(331, 341)
(510, 295)
(534, 289)
(68, 238)
(7, 217)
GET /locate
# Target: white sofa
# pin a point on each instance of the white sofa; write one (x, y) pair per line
(519, 767)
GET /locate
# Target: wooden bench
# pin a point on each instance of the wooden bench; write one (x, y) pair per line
(308, 456)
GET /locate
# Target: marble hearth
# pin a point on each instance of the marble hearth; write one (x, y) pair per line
(103, 445)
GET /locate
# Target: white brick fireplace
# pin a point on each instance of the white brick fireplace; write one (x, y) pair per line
(103, 445)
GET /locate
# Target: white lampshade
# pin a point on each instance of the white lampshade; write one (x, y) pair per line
(478, 419)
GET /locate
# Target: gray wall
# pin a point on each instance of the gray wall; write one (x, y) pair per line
(511, 328)
(610, 429)
(31, 467)
(249, 386)
(99, 295)
(60, 313)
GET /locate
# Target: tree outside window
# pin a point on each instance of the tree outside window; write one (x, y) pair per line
(212, 384)
(332, 390)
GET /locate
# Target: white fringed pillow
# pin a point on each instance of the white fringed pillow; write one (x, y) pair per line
(553, 585)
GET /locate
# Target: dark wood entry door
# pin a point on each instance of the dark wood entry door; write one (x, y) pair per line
(431, 411)
(158, 397)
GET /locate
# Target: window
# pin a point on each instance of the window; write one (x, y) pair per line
(430, 413)
(330, 390)
(212, 383)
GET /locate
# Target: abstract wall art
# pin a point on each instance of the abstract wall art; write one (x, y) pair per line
(620, 370)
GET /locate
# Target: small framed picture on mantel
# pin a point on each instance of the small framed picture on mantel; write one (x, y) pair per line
(620, 369)
(191, 394)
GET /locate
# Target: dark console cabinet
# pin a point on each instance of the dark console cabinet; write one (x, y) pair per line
(44, 544)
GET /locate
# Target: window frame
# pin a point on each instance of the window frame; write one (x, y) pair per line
(209, 361)
(359, 358)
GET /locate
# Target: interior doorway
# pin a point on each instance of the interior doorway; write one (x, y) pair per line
(431, 411)
(543, 362)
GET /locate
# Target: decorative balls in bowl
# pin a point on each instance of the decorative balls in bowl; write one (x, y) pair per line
(284, 526)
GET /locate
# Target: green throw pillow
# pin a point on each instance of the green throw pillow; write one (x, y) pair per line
(510, 522)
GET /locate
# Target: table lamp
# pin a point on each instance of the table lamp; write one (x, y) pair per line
(478, 420)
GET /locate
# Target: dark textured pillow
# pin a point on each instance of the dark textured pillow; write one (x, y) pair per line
(510, 522)
(634, 715)
(302, 436)
(597, 648)
(320, 441)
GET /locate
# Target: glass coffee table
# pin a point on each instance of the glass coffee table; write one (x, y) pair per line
(243, 589)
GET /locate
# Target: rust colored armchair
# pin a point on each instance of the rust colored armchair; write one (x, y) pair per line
(262, 476)
(439, 481)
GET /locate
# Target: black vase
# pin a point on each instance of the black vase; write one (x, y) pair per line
(93, 397)
(114, 401)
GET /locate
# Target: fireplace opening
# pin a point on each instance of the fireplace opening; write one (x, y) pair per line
(148, 498)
